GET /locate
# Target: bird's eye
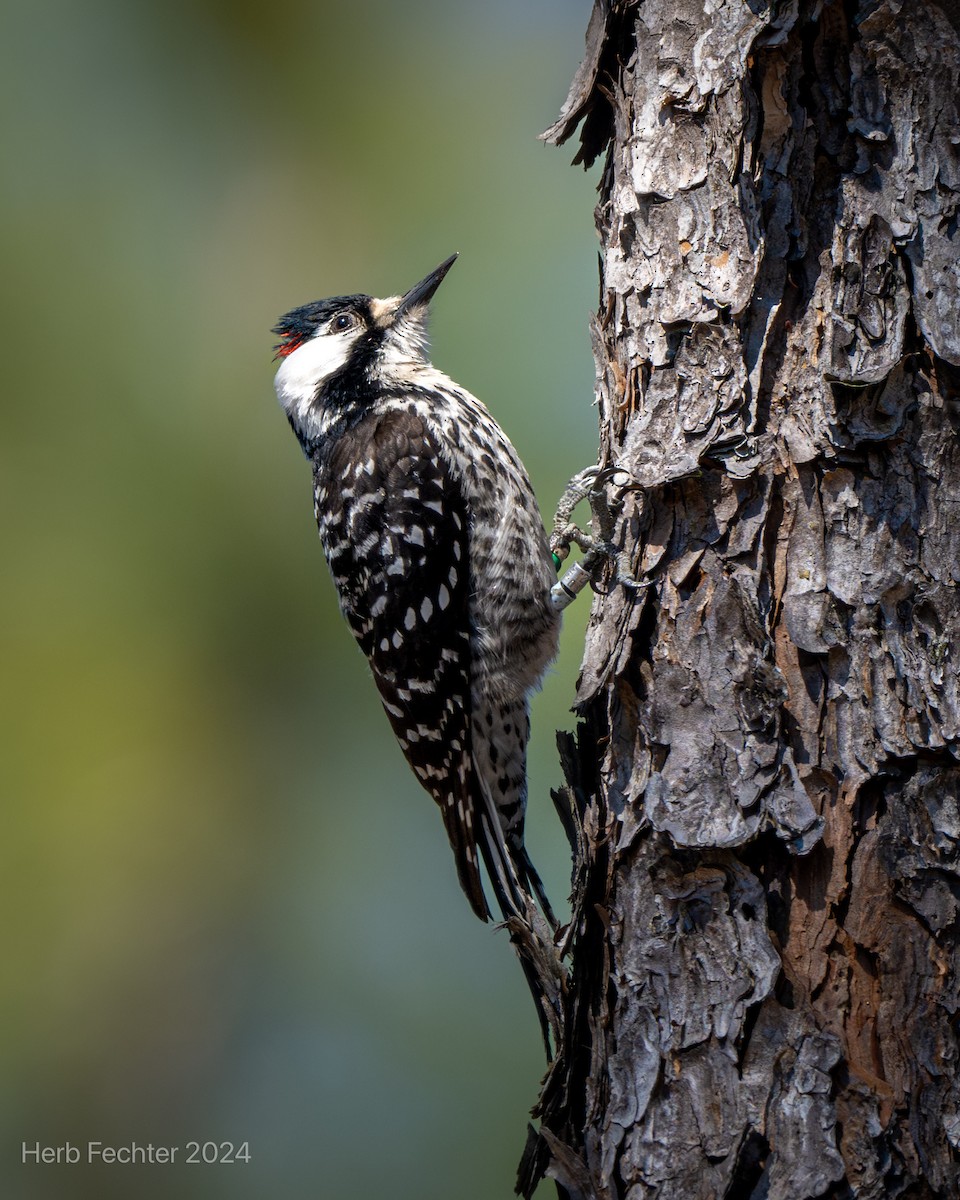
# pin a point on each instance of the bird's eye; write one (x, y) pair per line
(342, 322)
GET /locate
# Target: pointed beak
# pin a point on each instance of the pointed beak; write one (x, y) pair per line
(422, 293)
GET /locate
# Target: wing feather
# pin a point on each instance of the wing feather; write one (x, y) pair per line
(394, 524)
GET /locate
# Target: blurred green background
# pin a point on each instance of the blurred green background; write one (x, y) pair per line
(231, 914)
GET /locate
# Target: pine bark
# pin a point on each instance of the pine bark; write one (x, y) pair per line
(764, 790)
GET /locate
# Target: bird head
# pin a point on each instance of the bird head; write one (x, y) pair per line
(339, 352)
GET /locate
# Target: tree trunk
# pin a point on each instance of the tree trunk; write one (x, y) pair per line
(764, 793)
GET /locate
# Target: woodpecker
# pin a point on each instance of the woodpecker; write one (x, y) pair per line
(436, 545)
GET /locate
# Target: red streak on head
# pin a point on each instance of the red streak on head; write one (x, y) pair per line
(289, 346)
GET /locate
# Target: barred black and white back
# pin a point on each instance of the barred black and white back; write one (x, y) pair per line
(435, 542)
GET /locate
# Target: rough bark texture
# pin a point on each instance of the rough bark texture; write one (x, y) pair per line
(764, 793)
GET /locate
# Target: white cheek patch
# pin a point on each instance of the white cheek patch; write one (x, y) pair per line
(302, 372)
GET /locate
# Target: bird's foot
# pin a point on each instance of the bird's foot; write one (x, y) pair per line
(600, 555)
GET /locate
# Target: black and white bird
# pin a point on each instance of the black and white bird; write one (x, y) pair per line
(435, 542)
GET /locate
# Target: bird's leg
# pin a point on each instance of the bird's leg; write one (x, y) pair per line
(598, 548)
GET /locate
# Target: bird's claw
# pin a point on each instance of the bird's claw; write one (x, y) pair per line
(597, 546)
